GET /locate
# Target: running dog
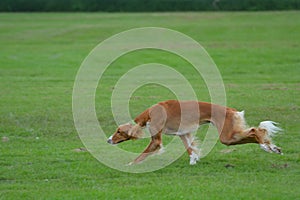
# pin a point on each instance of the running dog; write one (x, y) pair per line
(181, 118)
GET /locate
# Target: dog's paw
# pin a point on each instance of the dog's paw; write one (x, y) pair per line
(275, 149)
(265, 147)
(129, 164)
(194, 158)
(271, 148)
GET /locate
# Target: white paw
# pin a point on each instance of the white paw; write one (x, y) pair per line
(276, 149)
(129, 164)
(272, 148)
(194, 158)
(265, 147)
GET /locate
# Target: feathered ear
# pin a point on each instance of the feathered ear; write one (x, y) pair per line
(136, 132)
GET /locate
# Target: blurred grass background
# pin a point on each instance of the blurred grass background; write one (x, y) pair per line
(257, 55)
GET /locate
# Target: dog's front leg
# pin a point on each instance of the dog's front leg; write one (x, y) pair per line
(191, 148)
(154, 146)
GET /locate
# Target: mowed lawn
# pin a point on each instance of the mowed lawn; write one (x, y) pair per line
(42, 157)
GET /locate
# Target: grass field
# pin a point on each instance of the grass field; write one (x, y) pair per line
(257, 55)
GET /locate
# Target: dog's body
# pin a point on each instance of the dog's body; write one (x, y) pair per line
(181, 118)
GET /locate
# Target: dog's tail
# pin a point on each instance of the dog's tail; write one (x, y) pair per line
(271, 128)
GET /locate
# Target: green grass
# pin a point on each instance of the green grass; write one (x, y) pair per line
(257, 55)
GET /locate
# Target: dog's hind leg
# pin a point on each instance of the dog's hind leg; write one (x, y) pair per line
(234, 131)
(252, 135)
(270, 129)
(191, 148)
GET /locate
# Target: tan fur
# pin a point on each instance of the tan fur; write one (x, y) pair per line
(183, 117)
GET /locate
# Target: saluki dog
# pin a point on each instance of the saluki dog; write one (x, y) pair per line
(181, 118)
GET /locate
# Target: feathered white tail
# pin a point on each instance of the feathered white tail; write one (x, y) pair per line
(271, 128)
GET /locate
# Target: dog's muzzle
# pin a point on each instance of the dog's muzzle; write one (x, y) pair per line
(110, 140)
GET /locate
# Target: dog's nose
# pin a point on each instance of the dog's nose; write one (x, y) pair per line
(110, 140)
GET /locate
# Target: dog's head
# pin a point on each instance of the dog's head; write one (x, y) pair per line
(126, 132)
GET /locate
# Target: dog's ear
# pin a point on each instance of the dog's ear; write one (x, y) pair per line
(136, 132)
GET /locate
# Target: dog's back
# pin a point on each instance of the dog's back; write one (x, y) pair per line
(175, 116)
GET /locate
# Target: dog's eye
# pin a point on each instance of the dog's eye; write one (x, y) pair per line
(122, 134)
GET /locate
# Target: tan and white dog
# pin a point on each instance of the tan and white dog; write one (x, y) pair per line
(181, 118)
